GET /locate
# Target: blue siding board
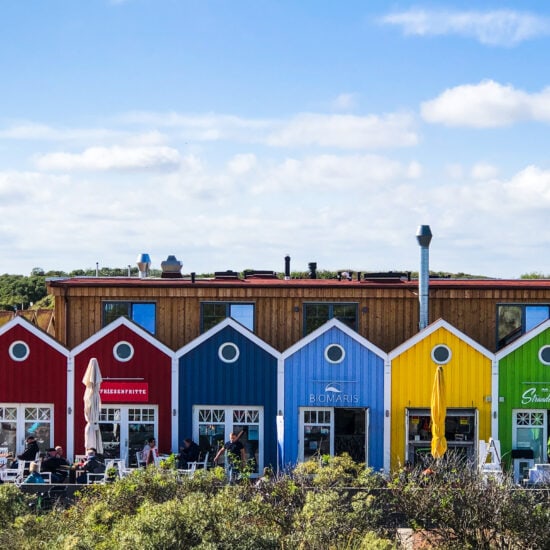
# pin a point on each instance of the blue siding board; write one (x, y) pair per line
(252, 380)
(361, 373)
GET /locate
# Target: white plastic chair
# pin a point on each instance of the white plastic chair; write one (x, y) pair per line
(139, 459)
(103, 477)
(189, 471)
(123, 471)
(14, 475)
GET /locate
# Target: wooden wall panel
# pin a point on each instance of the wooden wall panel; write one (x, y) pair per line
(391, 315)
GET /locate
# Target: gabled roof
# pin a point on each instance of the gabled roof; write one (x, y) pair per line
(227, 322)
(513, 346)
(33, 329)
(122, 321)
(333, 323)
(440, 323)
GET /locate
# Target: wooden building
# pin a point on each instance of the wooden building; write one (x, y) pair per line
(467, 368)
(384, 311)
(136, 392)
(33, 387)
(524, 400)
(334, 400)
(228, 383)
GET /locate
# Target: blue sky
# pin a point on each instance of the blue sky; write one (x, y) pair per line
(232, 133)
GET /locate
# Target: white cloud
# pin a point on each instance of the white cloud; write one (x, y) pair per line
(241, 164)
(484, 171)
(111, 158)
(344, 102)
(202, 127)
(346, 131)
(454, 171)
(340, 210)
(42, 132)
(495, 28)
(332, 174)
(414, 170)
(302, 130)
(486, 105)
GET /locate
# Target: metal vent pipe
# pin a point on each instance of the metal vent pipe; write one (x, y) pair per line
(287, 267)
(424, 237)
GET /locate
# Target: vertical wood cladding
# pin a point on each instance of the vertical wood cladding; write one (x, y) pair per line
(387, 314)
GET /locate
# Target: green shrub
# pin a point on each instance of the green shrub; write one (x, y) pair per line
(13, 503)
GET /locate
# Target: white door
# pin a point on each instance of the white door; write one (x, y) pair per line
(19, 420)
(126, 428)
(530, 431)
(212, 426)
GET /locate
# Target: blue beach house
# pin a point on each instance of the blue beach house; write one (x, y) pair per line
(333, 397)
(227, 381)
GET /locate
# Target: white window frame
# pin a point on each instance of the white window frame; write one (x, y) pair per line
(302, 423)
(228, 426)
(124, 423)
(20, 422)
(515, 426)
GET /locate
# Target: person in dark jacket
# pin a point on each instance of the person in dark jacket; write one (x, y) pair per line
(52, 464)
(92, 465)
(29, 453)
(31, 449)
(188, 453)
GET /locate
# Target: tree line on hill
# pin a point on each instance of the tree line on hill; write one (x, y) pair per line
(29, 291)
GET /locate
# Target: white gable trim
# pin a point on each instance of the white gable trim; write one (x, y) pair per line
(326, 327)
(35, 331)
(121, 321)
(430, 329)
(227, 322)
(513, 346)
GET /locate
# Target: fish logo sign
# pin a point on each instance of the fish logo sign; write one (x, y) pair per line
(333, 388)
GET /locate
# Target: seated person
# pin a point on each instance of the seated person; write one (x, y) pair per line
(92, 465)
(60, 453)
(150, 452)
(188, 453)
(52, 464)
(34, 476)
(29, 453)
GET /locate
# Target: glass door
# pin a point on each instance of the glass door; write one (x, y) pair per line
(212, 426)
(125, 429)
(18, 421)
(247, 423)
(530, 431)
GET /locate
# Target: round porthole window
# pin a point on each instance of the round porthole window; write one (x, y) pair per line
(441, 354)
(334, 353)
(19, 351)
(228, 352)
(123, 351)
(544, 355)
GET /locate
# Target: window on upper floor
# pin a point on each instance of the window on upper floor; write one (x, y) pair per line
(214, 312)
(317, 314)
(142, 313)
(513, 320)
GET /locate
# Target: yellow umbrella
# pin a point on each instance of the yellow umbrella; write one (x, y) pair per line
(439, 411)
